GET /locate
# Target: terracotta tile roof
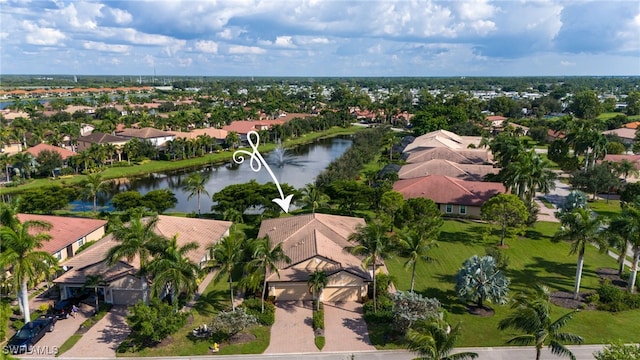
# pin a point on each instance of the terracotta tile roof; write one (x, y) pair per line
(65, 230)
(64, 153)
(447, 190)
(95, 254)
(102, 138)
(144, 133)
(635, 159)
(555, 134)
(496, 118)
(108, 273)
(213, 132)
(460, 156)
(305, 237)
(442, 138)
(632, 125)
(243, 127)
(471, 172)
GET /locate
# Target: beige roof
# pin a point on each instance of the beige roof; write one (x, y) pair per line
(65, 230)
(460, 156)
(213, 132)
(471, 172)
(204, 232)
(144, 133)
(447, 190)
(442, 138)
(624, 133)
(304, 237)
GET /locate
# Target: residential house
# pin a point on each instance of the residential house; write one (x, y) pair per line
(316, 242)
(470, 172)
(64, 153)
(11, 148)
(453, 196)
(443, 138)
(634, 159)
(627, 135)
(219, 134)
(99, 138)
(243, 127)
(497, 121)
(67, 233)
(121, 283)
(460, 156)
(632, 125)
(157, 137)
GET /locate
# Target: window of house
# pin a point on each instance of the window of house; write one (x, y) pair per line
(448, 208)
(58, 255)
(463, 209)
(80, 242)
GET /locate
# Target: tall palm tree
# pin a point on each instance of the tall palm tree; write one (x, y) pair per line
(434, 340)
(92, 186)
(267, 259)
(173, 272)
(135, 239)
(5, 163)
(24, 162)
(195, 185)
(226, 254)
(532, 315)
(627, 225)
(93, 281)
(21, 254)
(415, 243)
(313, 198)
(626, 168)
(317, 281)
(581, 228)
(372, 242)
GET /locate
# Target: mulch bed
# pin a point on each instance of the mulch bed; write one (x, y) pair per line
(480, 311)
(242, 338)
(612, 274)
(565, 299)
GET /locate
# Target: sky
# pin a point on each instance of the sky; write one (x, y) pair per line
(320, 38)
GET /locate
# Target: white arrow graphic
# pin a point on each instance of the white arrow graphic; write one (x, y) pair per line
(256, 161)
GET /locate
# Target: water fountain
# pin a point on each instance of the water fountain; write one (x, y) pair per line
(280, 153)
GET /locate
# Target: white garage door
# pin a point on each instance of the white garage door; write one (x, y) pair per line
(334, 294)
(126, 297)
(293, 292)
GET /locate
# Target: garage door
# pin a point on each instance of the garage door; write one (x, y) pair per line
(334, 294)
(126, 297)
(293, 292)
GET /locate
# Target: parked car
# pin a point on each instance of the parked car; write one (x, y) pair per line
(62, 309)
(24, 340)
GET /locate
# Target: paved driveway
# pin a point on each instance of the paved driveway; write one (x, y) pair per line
(345, 328)
(292, 332)
(104, 337)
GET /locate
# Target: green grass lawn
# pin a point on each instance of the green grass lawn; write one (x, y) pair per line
(534, 259)
(602, 207)
(214, 299)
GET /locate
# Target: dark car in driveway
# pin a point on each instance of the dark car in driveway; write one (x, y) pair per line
(24, 340)
(62, 309)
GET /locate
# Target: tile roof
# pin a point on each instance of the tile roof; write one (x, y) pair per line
(64, 153)
(213, 132)
(304, 237)
(144, 133)
(635, 159)
(65, 230)
(447, 190)
(442, 138)
(471, 172)
(102, 138)
(243, 126)
(624, 133)
(460, 156)
(632, 125)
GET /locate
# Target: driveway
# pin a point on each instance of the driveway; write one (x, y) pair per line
(104, 337)
(345, 328)
(292, 331)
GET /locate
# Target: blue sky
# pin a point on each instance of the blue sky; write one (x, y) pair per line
(320, 37)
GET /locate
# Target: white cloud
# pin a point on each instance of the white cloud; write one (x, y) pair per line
(285, 41)
(100, 46)
(628, 36)
(80, 15)
(475, 9)
(207, 46)
(567, 63)
(37, 35)
(4, 35)
(240, 49)
(185, 62)
(121, 17)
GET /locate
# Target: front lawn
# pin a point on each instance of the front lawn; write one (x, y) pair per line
(534, 259)
(606, 208)
(214, 299)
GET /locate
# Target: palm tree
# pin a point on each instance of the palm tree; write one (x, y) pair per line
(20, 252)
(581, 228)
(532, 315)
(94, 281)
(173, 272)
(195, 185)
(267, 259)
(24, 162)
(312, 197)
(136, 239)
(225, 255)
(317, 281)
(5, 162)
(626, 168)
(372, 242)
(627, 225)
(415, 243)
(92, 186)
(432, 340)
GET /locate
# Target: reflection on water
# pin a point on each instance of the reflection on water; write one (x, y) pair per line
(296, 167)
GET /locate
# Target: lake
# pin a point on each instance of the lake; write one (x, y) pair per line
(296, 167)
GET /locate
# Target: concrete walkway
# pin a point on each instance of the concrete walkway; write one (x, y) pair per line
(345, 328)
(103, 338)
(292, 332)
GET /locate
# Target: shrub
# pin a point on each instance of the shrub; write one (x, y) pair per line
(226, 324)
(618, 351)
(318, 319)
(253, 307)
(612, 298)
(593, 298)
(43, 308)
(5, 313)
(17, 324)
(320, 341)
(152, 323)
(409, 307)
(384, 315)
